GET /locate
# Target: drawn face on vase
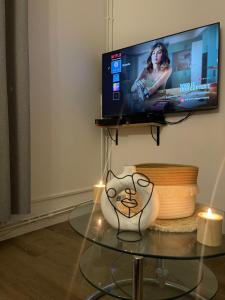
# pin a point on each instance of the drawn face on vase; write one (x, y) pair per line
(124, 192)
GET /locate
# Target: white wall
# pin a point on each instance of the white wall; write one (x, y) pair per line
(66, 40)
(200, 140)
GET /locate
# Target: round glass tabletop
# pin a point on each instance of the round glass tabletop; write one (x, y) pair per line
(88, 221)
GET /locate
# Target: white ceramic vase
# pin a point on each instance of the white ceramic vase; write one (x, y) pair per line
(122, 189)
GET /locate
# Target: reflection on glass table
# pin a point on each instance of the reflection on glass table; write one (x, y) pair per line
(161, 265)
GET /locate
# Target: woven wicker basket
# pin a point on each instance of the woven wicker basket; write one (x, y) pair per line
(168, 174)
(176, 186)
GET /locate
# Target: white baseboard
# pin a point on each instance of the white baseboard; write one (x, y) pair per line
(45, 212)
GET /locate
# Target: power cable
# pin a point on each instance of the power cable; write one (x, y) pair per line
(179, 121)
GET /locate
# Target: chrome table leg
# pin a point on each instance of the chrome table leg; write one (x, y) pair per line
(137, 285)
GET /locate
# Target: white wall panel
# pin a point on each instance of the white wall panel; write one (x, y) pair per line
(66, 41)
(200, 140)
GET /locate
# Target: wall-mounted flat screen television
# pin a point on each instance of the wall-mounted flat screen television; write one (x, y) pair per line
(175, 73)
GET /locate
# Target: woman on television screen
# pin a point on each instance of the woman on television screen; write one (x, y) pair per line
(155, 75)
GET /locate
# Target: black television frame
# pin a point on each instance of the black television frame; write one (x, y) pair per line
(138, 115)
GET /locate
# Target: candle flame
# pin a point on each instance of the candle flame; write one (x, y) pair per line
(100, 184)
(209, 212)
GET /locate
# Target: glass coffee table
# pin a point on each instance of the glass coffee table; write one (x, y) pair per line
(161, 265)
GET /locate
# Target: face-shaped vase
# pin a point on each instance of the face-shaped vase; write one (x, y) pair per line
(128, 202)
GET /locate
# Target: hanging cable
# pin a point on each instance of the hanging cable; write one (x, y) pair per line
(154, 138)
(179, 121)
(109, 46)
(106, 153)
(115, 140)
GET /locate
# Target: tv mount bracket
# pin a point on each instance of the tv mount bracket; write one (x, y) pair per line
(115, 138)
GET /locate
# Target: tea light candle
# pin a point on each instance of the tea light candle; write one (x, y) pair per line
(97, 191)
(209, 228)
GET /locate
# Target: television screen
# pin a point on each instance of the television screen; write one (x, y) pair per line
(170, 74)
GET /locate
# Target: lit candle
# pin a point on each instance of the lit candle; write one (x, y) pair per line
(97, 191)
(209, 228)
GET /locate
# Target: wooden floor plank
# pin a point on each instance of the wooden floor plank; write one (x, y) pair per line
(40, 265)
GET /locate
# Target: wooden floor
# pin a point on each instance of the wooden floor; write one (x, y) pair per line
(43, 265)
